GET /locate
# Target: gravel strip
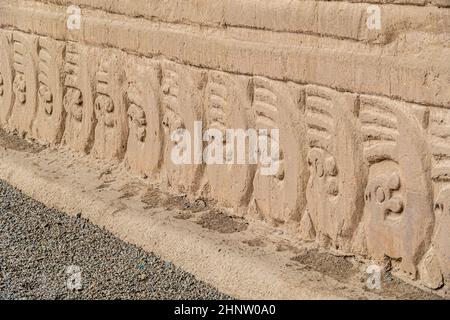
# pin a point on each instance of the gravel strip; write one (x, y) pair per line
(42, 252)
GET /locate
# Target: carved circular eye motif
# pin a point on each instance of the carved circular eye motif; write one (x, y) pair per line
(22, 97)
(319, 168)
(98, 105)
(45, 94)
(78, 97)
(22, 86)
(104, 103)
(394, 182)
(109, 105)
(330, 167)
(380, 195)
(333, 188)
(141, 134)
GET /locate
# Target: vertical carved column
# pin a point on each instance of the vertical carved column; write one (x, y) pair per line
(25, 83)
(50, 116)
(79, 98)
(6, 77)
(182, 93)
(398, 217)
(280, 198)
(144, 147)
(334, 193)
(111, 132)
(435, 266)
(228, 106)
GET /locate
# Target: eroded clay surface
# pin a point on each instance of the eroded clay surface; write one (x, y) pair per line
(79, 98)
(334, 158)
(228, 106)
(145, 138)
(49, 123)
(25, 83)
(6, 77)
(280, 197)
(182, 91)
(398, 215)
(110, 107)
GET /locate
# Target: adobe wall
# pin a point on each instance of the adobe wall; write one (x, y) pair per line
(364, 115)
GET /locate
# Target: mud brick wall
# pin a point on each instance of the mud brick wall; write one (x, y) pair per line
(364, 114)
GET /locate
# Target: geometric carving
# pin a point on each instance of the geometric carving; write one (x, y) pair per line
(25, 83)
(440, 145)
(111, 131)
(398, 217)
(435, 267)
(79, 98)
(228, 106)
(6, 77)
(144, 147)
(280, 198)
(181, 97)
(49, 123)
(334, 196)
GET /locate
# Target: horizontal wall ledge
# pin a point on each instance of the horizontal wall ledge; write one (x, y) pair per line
(337, 19)
(415, 69)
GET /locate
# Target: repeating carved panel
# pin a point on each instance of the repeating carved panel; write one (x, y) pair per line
(279, 198)
(25, 82)
(398, 216)
(79, 98)
(110, 108)
(145, 139)
(182, 91)
(228, 106)
(334, 159)
(50, 116)
(435, 267)
(6, 77)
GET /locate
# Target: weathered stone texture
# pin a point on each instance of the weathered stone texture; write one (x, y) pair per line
(364, 115)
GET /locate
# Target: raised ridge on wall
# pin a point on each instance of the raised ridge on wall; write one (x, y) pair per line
(400, 69)
(309, 17)
(364, 125)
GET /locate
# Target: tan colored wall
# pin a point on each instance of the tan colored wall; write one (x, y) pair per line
(364, 115)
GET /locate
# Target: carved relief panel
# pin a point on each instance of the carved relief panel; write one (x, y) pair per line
(182, 92)
(79, 98)
(145, 139)
(435, 267)
(334, 159)
(6, 77)
(398, 217)
(228, 106)
(279, 198)
(24, 83)
(49, 123)
(110, 108)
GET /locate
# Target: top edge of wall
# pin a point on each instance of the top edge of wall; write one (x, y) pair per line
(340, 19)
